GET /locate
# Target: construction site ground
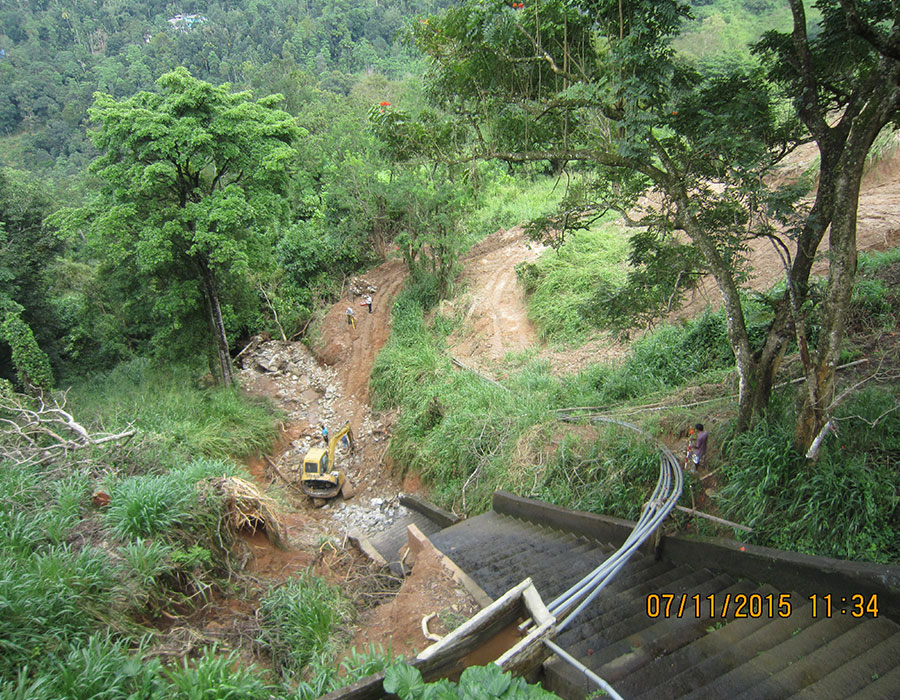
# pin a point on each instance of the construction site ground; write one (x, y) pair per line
(330, 386)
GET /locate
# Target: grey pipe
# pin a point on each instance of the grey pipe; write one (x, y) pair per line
(569, 659)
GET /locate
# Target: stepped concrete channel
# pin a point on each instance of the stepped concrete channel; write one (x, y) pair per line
(772, 641)
(742, 621)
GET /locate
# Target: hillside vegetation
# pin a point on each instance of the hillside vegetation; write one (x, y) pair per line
(175, 182)
(468, 437)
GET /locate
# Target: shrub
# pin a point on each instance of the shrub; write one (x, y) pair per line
(31, 363)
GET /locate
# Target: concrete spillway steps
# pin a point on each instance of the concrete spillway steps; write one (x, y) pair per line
(699, 649)
(391, 541)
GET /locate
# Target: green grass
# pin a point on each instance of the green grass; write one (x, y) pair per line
(870, 264)
(846, 505)
(567, 287)
(216, 676)
(300, 620)
(51, 599)
(660, 362)
(467, 437)
(508, 201)
(170, 409)
(614, 473)
(77, 584)
(884, 148)
(150, 505)
(730, 26)
(453, 423)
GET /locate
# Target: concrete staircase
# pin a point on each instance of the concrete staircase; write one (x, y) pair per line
(415, 511)
(691, 653)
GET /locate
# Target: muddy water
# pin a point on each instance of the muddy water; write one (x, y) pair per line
(494, 647)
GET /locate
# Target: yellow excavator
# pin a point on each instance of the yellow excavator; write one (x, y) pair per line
(319, 478)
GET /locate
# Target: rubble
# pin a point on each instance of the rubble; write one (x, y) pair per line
(371, 517)
(309, 394)
(360, 286)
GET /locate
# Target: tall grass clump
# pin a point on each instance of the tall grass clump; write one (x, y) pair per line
(875, 300)
(97, 667)
(845, 505)
(873, 262)
(51, 600)
(300, 620)
(104, 667)
(149, 505)
(568, 289)
(172, 410)
(612, 473)
(508, 201)
(323, 677)
(216, 676)
(884, 147)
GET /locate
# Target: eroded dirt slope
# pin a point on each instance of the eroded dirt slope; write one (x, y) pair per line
(495, 317)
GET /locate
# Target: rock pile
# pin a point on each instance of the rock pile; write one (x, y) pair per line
(360, 286)
(371, 517)
(302, 387)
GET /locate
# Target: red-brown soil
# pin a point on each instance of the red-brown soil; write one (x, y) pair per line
(397, 625)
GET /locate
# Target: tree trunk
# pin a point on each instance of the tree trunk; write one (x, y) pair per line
(734, 315)
(769, 359)
(864, 126)
(217, 326)
(841, 277)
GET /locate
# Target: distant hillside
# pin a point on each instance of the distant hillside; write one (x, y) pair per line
(730, 26)
(54, 56)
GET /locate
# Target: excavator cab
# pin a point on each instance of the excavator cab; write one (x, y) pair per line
(319, 478)
(315, 462)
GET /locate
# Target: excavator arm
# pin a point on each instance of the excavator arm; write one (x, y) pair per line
(333, 442)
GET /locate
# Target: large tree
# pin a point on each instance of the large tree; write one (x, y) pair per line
(596, 81)
(844, 84)
(194, 178)
(27, 254)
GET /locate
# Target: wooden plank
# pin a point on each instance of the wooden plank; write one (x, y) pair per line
(510, 600)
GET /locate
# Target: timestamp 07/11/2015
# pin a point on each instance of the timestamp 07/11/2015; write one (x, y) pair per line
(758, 605)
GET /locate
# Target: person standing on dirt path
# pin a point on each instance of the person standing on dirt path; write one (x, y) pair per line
(368, 300)
(351, 317)
(324, 433)
(698, 451)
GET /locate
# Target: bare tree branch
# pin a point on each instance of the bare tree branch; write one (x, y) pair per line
(33, 431)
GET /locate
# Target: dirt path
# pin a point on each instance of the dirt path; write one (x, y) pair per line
(878, 228)
(495, 317)
(352, 351)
